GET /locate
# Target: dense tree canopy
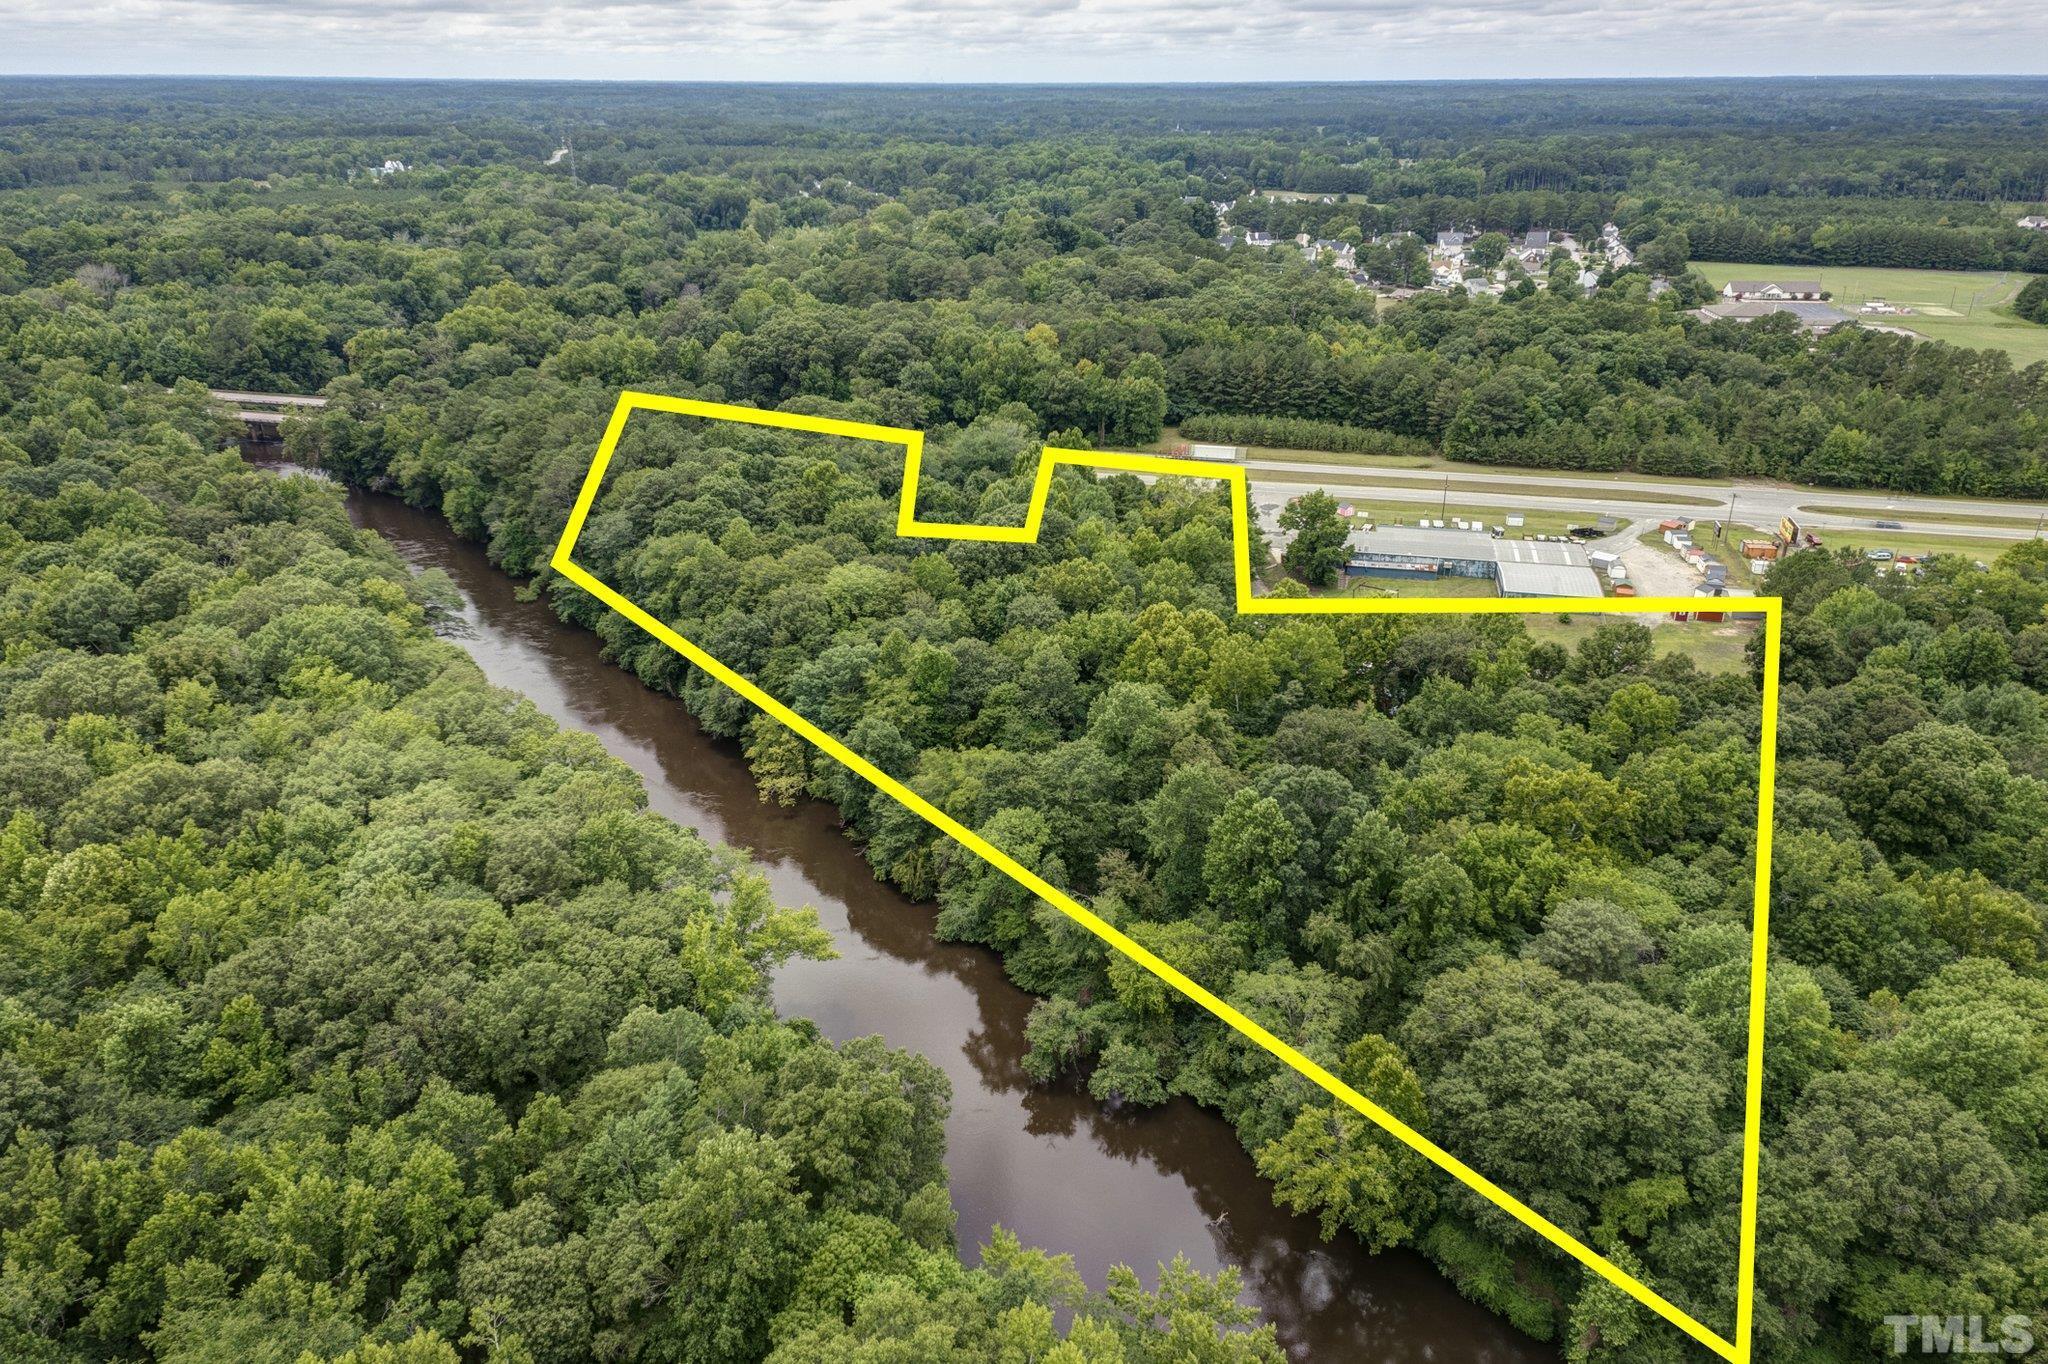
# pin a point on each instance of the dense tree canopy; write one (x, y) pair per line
(350, 1010)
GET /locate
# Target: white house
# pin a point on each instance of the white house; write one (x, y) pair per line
(2035, 222)
(392, 166)
(1771, 291)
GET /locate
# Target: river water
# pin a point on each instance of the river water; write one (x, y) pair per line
(1062, 1170)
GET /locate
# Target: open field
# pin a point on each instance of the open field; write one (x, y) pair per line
(1407, 513)
(1713, 648)
(1964, 308)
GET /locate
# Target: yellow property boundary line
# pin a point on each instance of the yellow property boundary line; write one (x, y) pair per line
(1737, 1351)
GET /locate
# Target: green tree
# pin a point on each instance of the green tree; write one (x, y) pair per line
(1315, 554)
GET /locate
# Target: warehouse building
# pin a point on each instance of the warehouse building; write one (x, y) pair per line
(1405, 552)
(1544, 568)
(1519, 568)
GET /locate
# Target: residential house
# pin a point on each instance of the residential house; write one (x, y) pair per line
(1338, 252)
(1258, 239)
(2035, 222)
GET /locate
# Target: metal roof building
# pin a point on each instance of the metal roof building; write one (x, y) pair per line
(1416, 552)
(1548, 580)
(1522, 568)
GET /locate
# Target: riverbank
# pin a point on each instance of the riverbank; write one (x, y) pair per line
(1108, 1185)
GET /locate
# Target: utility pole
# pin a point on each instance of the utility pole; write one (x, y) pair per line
(1444, 510)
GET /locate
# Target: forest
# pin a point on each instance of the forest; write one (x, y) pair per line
(350, 1010)
(354, 1010)
(932, 282)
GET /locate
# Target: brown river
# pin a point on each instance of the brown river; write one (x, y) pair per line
(1062, 1170)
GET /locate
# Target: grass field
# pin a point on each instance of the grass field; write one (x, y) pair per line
(1713, 648)
(1919, 543)
(1450, 585)
(1938, 517)
(1964, 308)
(1408, 513)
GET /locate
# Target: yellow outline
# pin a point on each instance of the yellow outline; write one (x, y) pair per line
(1739, 1350)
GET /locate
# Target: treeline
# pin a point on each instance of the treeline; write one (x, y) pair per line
(1888, 244)
(1096, 320)
(1748, 170)
(351, 1011)
(1297, 434)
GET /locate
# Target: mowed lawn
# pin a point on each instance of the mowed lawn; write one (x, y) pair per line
(1964, 308)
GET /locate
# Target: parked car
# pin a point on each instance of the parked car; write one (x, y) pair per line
(1877, 555)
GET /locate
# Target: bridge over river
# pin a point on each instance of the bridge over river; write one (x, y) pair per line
(264, 413)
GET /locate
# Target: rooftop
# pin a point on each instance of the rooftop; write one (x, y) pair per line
(1468, 544)
(1548, 580)
(1423, 542)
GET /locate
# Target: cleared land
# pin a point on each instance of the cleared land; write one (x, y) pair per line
(1965, 308)
(1713, 648)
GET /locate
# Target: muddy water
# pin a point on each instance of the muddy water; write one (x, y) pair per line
(1060, 1169)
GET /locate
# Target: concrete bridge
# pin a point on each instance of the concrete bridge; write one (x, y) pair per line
(264, 413)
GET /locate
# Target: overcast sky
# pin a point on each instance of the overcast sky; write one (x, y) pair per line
(1009, 40)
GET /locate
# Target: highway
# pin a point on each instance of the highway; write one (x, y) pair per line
(1757, 503)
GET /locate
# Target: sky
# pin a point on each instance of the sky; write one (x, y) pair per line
(1021, 40)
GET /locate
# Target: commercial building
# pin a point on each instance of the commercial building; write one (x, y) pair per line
(1518, 568)
(1809, 316)
(1402, 552)
(1544, 568)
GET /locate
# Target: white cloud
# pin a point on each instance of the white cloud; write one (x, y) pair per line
(1020, 39)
